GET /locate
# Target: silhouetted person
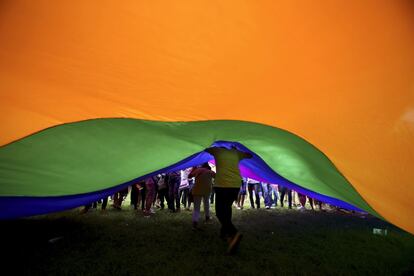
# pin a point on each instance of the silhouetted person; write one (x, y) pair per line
(283, 191)
(227, 186)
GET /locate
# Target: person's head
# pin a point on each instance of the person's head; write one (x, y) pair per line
(206, 166)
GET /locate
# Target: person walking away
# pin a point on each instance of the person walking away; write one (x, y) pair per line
(201, 192)
(227, 186)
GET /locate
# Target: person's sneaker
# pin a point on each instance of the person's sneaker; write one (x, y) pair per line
(234, 244)
(267, 207)
(208, 220)
(195, 226)
(238, 207)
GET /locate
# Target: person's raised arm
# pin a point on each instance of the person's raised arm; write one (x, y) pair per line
(244, 155)
(210, 150)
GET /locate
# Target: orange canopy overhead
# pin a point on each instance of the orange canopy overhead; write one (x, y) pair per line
(338, 73)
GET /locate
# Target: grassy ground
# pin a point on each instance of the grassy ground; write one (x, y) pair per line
(276, 242)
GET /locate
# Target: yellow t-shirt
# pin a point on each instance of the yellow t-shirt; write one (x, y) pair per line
(227, 166)
(203, 181)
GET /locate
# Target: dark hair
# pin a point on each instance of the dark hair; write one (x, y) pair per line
(206, 166)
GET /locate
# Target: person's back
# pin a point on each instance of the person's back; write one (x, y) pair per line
(203, 181)
(201, 191)
(227, 166)
(227, 185)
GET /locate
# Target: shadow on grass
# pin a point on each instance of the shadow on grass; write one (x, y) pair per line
(276, 241)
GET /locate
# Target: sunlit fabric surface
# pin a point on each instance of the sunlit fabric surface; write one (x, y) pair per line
(340, 75)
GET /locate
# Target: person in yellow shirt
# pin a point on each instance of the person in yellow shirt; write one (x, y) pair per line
(227, 185)
(201, 191)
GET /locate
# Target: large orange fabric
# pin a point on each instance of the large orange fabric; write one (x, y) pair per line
(337, 73)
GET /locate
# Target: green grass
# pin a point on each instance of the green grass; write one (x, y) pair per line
(276, 242)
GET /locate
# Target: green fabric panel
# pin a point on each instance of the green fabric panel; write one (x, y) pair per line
(92, 155)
